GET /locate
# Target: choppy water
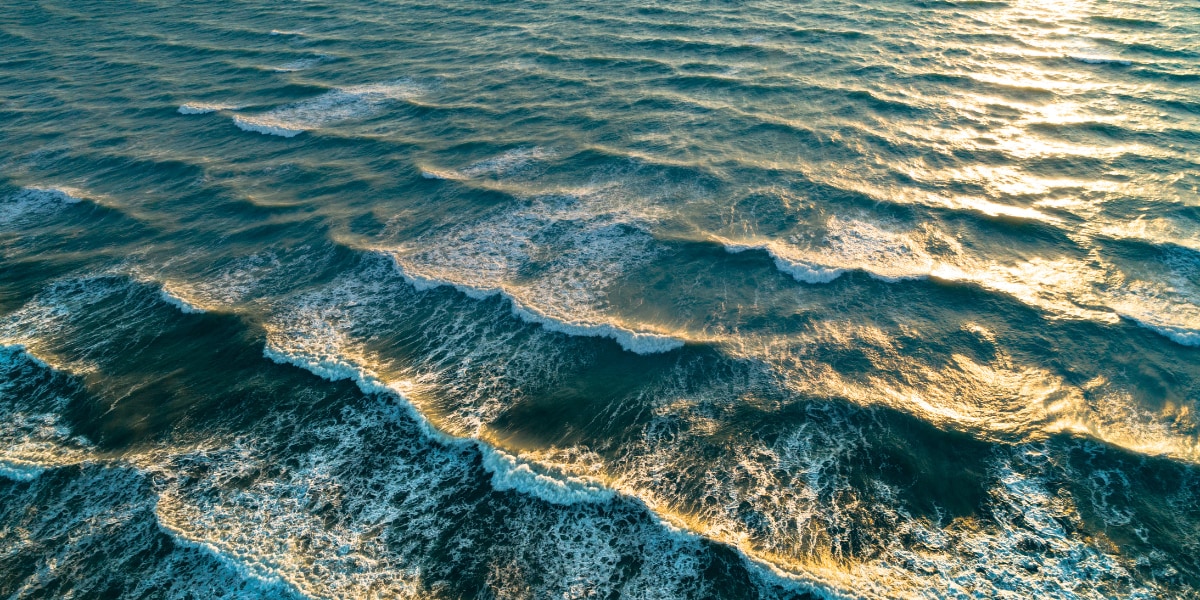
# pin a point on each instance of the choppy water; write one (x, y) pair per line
(759, 299)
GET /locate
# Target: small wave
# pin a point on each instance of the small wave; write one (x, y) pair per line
(633, 341)
(194, 108)
(35, 202)
(800, 271)
(1099, 60)
(10, 353)
(507, 163)
(19, 471)
(600, 238)
(508, 473)
(355, 102)
(440, 175)
(1158, 319)
(264, 127)
(174, 299)
(848, 245)
(1179, 335)
(301, 64)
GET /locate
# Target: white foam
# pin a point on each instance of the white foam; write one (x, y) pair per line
(174, 299)
(19, 471)
(32, 202)
(16, 352)
(1183, 336)
(334, 106)
(264, 127)
(335, 368)
(443, 175)
(1169, 309)
(267, 581)
(848, 245)
(194, 108)
(508, 473)
(1100, 60)
(508, 162)
(801, 271)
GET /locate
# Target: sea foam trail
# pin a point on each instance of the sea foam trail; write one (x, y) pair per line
(632, 341)
(1180, 334)
(553, 258)
(1101, 60)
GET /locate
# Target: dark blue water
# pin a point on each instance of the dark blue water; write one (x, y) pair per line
(600, 300)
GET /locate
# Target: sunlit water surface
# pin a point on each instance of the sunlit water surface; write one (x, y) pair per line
(702, 299)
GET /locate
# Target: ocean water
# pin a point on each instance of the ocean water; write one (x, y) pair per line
(700, 299)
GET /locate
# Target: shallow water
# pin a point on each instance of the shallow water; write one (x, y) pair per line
(595, 300)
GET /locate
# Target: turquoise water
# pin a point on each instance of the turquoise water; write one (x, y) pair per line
(374, 299)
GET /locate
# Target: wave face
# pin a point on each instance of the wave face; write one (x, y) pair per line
(467, 300)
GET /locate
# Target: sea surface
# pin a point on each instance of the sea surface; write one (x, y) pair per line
(623, 299)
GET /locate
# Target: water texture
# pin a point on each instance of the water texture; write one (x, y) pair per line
(702, 299)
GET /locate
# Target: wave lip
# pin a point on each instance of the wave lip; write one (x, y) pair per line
(260, 577)
(33, 202)
(1175, 319)
(848, 245)
(508, 162)
(174, 299)
(803, 272)
(638, 342)
(19, 471)
(264, 127)
(508, 472)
